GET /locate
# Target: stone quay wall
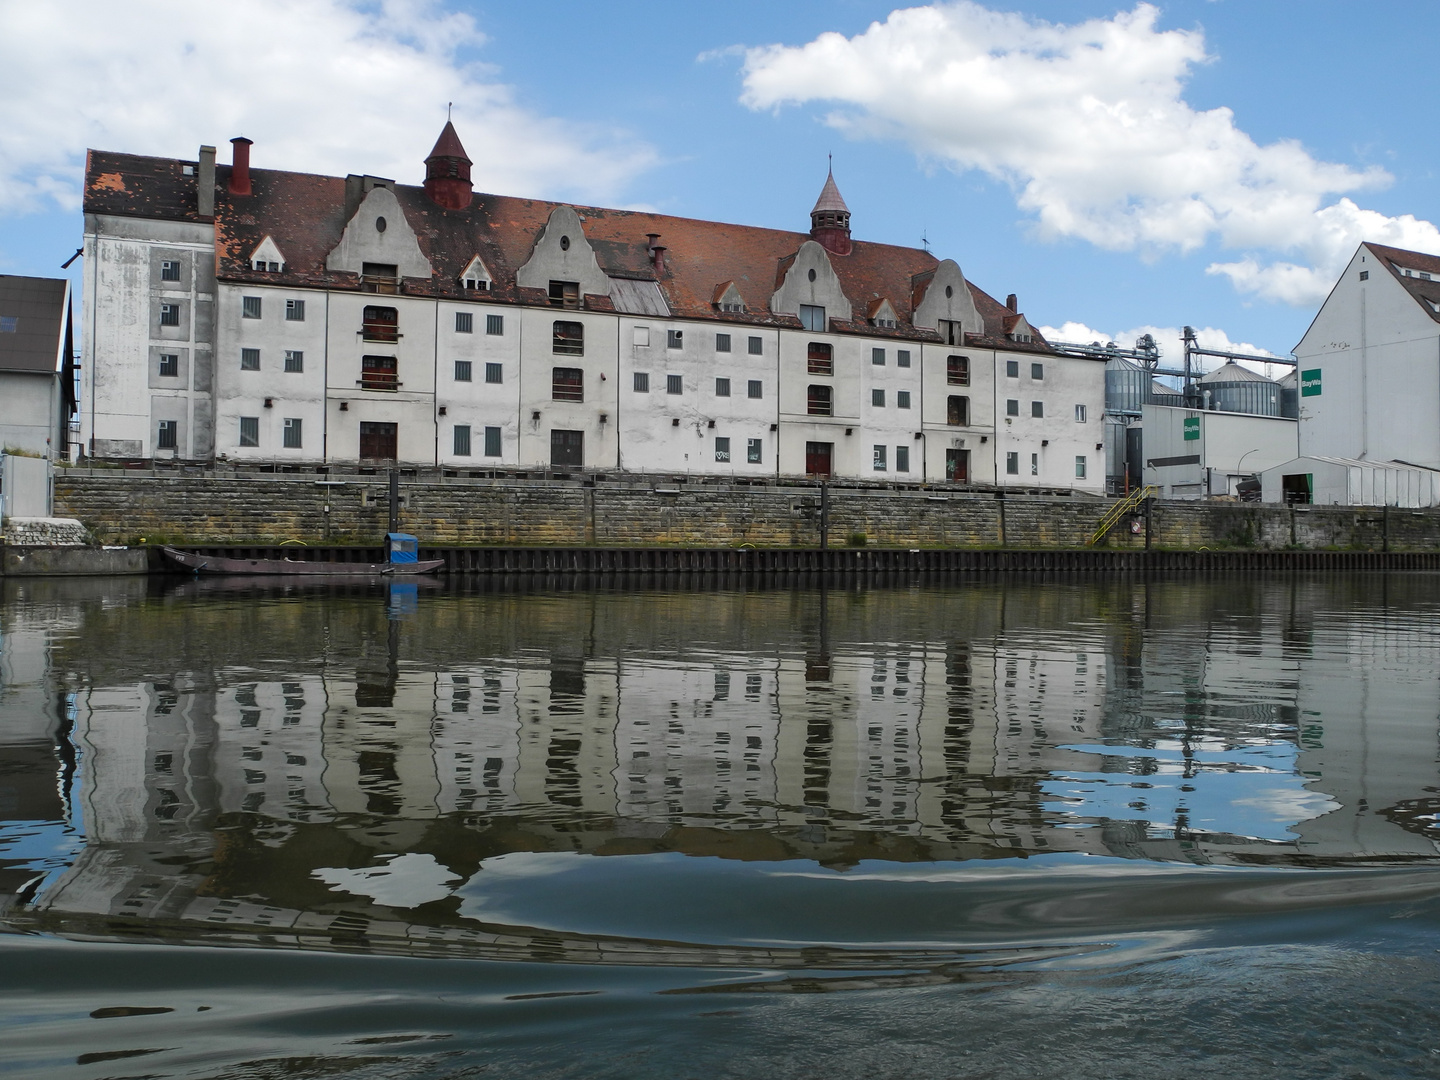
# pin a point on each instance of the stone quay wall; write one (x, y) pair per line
(123, 506)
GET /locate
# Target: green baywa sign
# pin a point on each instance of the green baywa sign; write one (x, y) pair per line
(1192, 428)
(1310, 383)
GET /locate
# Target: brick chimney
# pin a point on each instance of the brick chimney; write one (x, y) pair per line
(1012, 303)
(240, 166)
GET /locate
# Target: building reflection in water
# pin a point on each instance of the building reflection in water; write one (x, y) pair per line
(198, 756)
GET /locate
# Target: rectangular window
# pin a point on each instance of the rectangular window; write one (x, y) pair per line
(380, 323)
(642, 337)
(294, 361)
(957, 370)
(167, 435)
(9, 324)
(169, 314)
(722, 342)
(1364, 275)
(294, 310)
(902, 399)
(169, 365)
(674, 339)
(821, 358)
(250, 307)
(754, 451)
(495, 325)
(249, 359)
(569, 338)
(642, 382)
(1037, 409)
(674, 384)
(567, 384)
(169, 270)
(877, 357)
(1034, 464)
(1037, 371)
(1079, 466)
(379, 373)
(957, 410)
(722, 387)
(494, 373)
(1012, 407)
(877, 399)
(879, 457)
(1080, 414)
(902, 357)
(818, 401)
(462, 440)
(755, 389)
(249, 431)
(464, 322)
(951, 332)
(1012, 463)
(565, 294)
(492, 442)
(464, 371)
(813, 318)
(902, 459)
(1012, 369)
(722, 448)
(757, 346)
(292, 433)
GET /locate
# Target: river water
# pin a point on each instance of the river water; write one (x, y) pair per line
(916, 827)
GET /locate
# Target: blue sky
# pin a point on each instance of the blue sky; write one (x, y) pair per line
(1078, 154)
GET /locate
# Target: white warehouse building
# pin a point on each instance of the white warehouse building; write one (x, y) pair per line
(296, 321)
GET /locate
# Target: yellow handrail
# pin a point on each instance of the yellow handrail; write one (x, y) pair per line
(1119, 510)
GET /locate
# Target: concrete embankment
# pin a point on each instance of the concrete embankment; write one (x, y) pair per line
(210, 509)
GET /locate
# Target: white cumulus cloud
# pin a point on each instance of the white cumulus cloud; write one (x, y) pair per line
(1089, 124)
(332, 86)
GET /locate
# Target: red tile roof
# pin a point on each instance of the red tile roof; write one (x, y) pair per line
(448, 145)
(306, 214)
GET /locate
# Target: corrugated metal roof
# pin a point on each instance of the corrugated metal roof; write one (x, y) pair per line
(638, 297)
(1119, 363)
(32, 322)
(1232, 372)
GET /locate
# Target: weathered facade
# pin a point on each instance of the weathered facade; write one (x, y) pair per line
(37, 366)
(256, 315)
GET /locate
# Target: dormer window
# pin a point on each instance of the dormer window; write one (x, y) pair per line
(266, 258)
(476, 277)
(379, 277)
(266, 267)
(565, 294)
(727, 299)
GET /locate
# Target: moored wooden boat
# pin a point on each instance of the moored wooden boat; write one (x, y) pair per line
(216, 564)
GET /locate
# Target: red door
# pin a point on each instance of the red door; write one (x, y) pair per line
(957, 465)
(379, 442)
(817, 458)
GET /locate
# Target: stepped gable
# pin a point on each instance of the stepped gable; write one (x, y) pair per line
(305, 213)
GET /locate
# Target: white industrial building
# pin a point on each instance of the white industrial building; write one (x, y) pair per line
(293, 321)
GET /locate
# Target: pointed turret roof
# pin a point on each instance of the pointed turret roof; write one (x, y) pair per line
(830, 197)
(448, 145)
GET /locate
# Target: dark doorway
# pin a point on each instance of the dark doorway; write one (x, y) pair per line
(817, 458)
(379, 442)
(567, 448)
(1299, 488)
(957, 465)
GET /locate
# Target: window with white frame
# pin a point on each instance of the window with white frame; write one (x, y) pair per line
(1079, 466)
(170, 270)
(879, 452)
(169, 365)
(294, 428)
(294, 310)
(294, 361)
(1080, 414)
(1037, 409)
(167, 435)
(169, 314)
(812, 317)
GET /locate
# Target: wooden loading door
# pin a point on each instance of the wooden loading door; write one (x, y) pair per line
(379, 442)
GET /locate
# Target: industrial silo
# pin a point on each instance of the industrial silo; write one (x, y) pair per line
(1235, 389)
(1290, 396)
(1160, 394)
(1125, 384)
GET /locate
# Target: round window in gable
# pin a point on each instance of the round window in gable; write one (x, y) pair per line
(564, 243)
(949, 291)
(812, 275)
(379, 224)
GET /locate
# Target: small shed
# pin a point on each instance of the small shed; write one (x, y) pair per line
(1334, 481)
(401, 548)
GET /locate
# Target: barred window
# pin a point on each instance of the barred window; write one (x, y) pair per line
(169, 365)
(169, 270)
(292, 434)
(1037, 409)
(464, 322)
(294, 310)
(492, 442)
(675, 339)
(294, 361)
(902, 459)
(879, 457)
(902, 399)
(674, 384)
(877, 357)
(567, 384)
(754, 449)
(249, 431)
(877, 398)
(756, 389)
(722, 387)
(495, 325)
(820, 358)
(1037, 371)
(722, 448)
(170, 315)
(722, 342)
(757, 346)
(494, 373)
(569, 338)
(249, 359)
(250, 307)
(464, 371)
(902, 357)
(642, 382)
(957, 370)
(818, 401)
(462, 440)
(167, 435)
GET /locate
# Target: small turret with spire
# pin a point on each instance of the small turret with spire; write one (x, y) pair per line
(447, 172)
(830, 220)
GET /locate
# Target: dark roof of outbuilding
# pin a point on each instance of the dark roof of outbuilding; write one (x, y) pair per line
(306, 214)
(40, 311)
(1426, 292)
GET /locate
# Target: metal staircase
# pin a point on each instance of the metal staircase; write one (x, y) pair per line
(1125, 506)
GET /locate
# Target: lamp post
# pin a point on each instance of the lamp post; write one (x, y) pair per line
(1241, 462)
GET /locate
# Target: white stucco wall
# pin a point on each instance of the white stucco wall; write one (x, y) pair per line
(1230, 447)
(1048, 446)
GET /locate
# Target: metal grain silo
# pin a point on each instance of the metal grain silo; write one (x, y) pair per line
(1125, 384)
(1235, 389)
(1160, 394)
